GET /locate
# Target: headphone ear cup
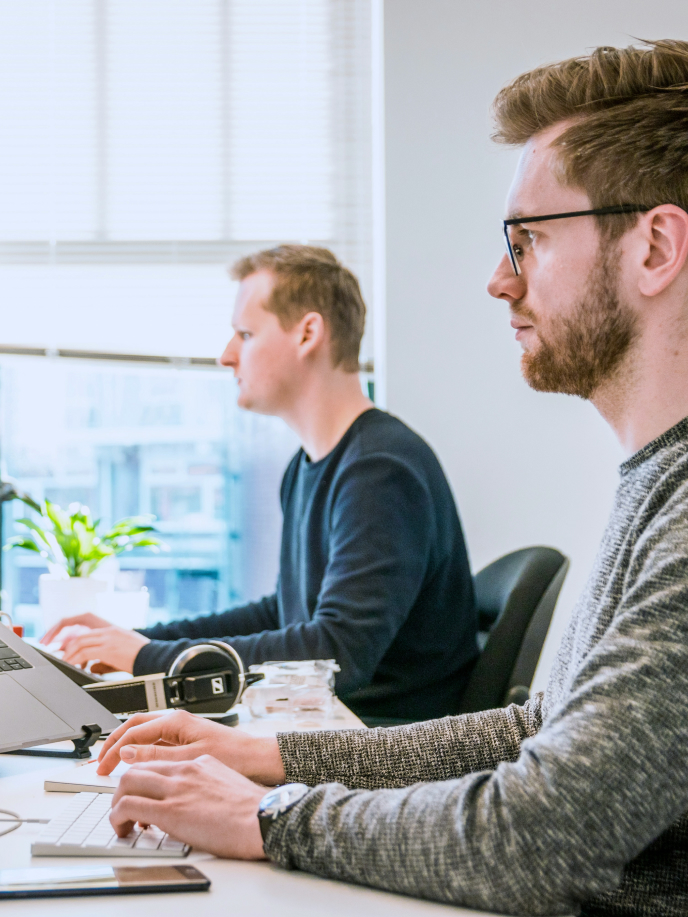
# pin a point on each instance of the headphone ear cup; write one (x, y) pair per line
(206, 658)
(231, 654)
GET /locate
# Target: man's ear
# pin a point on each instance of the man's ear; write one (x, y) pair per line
(311, 333)
(664, 248)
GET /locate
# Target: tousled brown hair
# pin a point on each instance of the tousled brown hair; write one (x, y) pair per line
(628, 138)
(310, 279)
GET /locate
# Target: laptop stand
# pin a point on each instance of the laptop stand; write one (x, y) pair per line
(82, 746)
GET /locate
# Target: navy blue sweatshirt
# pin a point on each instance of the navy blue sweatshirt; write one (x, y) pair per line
(373, 573)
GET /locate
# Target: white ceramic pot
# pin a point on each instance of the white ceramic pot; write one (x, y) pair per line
(125, 609)
(62, 598)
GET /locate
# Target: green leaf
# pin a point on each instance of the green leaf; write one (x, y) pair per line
(30, 524)
(58, 517)
(73, 539)
(27, 543)
(130, 522)
(85, 537)
(146, 542)
(25, 498)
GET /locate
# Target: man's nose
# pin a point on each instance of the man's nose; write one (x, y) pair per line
(504, 284)
(230, 354)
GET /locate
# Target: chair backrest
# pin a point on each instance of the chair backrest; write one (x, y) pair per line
(515, 595)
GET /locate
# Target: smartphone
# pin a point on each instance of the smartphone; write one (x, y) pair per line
(74, 881)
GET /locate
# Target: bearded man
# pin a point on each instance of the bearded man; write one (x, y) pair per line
(577, 801)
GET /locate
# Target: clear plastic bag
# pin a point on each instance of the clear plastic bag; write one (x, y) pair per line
(300, 691)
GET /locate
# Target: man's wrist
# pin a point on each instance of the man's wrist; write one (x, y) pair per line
(265, 765)
(146, 661)
(277, 802)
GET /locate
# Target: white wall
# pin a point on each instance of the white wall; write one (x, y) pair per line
(526, 468)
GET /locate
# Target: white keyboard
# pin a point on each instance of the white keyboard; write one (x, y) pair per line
(83, 829)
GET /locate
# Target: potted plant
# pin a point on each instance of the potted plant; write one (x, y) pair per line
(74, 547)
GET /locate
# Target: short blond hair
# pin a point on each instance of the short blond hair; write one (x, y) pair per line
(310, 279)
(628, 138)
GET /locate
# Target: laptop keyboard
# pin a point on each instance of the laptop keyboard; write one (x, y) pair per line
(10, 660)
(83, 829)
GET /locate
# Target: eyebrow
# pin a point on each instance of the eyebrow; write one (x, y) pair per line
(518, 219)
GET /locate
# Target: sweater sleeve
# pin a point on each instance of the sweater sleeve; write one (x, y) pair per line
(541, 834)
(168, 640)
(433, 750)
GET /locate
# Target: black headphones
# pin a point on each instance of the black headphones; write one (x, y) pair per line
(205, 678)
(228, 679)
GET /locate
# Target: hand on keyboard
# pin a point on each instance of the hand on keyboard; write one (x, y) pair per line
(201, 801)
(181, 736)
(83, 828)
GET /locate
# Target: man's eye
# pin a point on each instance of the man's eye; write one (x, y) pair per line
(245, 335)
(526, 237)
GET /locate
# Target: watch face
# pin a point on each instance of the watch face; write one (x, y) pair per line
(281, 799)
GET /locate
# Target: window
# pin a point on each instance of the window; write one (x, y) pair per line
(144, 145)
(126, 440)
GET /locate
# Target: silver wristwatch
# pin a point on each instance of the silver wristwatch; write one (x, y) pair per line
(277, 802)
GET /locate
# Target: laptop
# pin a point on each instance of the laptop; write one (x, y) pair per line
(79, 676)
(38, 703)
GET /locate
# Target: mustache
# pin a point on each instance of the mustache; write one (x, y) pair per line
(519, 309)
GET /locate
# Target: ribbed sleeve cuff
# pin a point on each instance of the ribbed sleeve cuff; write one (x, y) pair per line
(157, 656)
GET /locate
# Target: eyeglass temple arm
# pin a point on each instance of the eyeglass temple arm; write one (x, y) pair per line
(600, 211)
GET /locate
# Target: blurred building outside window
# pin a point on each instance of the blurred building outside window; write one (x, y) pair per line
(125, 441)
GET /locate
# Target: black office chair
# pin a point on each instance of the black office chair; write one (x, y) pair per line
(515, 596)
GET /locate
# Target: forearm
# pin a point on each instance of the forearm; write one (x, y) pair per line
(168, 640)
(258, 759)
(541, 835)
(403, 755)
(432, 841)
(602, 779)
(247, 619)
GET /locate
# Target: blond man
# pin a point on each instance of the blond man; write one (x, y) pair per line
(373, 568)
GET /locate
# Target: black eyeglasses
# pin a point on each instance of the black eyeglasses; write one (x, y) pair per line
(601, 211)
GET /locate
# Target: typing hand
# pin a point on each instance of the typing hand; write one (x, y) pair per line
(86, 620)
(180, 736)
(200, 802)
(115, 647)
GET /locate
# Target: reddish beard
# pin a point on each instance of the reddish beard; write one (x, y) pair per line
(580, 351)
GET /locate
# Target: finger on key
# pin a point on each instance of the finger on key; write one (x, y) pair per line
(132, 809)
(143, 780)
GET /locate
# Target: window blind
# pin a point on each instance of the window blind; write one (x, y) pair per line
(144, 144)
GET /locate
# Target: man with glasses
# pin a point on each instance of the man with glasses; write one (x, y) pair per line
(577, 801)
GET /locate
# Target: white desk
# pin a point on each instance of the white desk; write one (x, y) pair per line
(255, 889)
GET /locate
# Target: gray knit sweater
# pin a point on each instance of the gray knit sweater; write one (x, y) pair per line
(572, 802)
